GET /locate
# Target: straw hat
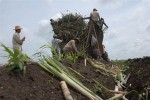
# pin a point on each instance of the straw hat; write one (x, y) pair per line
(17, 28)
(94, 9)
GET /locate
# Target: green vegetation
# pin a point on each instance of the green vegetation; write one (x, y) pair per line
(51, 49)
(57, 69)
(69, 27)
(122, 64)
(16, 60)
(60, 57)
(74, 56)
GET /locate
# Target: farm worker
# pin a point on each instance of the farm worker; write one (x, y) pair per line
(104, 54)
(16, 40)
(71, 46)
(95, 52)
(55, 44)
(95, 17)
(96, 27)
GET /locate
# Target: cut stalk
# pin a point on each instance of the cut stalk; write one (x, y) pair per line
(65, 90)
(84, 62)
(50, 66)
(118, 96)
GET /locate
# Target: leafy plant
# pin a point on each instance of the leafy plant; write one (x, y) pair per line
(74, 56)
(55, 54)
(16, 60)
(71, 56)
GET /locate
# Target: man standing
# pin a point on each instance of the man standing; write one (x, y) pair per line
(95, 17)
(16, 41)
(96, 28)
(55, 44)
(71, 46)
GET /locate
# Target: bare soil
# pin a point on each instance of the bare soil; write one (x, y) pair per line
(39, 85)
(139, 80)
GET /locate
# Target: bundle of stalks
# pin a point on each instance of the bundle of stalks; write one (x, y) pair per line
(101, 66)
(57, 69)
(70, 26)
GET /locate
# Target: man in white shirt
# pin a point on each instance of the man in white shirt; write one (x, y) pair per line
(55, 44)
(16, 41)
(96, 28)
(95, 17)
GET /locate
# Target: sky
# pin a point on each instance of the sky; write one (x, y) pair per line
(128, 35)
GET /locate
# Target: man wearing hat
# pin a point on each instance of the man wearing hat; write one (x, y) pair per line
(16, 41)
(71, 46)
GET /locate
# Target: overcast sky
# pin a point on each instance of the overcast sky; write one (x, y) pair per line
(128, 35)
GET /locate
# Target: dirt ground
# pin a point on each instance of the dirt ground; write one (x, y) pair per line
(139, 80)
(39, 85)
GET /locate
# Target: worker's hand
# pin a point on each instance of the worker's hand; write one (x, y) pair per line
(106, 26)
(23, 39)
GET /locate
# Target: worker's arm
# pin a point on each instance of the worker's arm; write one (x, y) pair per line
(58, 40)
(105, 24)
(74, 46)
(102, 20)
(86, 18)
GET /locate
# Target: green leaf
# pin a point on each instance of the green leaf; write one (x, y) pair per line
(16, 53)
(16, 59)
(21, 65)
(7, 50)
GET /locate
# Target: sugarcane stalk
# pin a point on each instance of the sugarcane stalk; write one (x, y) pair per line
(79, 74)
(118, 96)
(81, 88)
(65, 90)
(84, 62)
(100, 66)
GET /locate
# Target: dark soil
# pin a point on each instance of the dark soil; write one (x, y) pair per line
(139, 80)
(39, 85)
(35, 85)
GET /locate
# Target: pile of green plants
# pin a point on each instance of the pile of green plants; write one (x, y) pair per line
(70, 26)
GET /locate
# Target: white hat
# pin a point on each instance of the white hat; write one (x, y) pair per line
(17, 28)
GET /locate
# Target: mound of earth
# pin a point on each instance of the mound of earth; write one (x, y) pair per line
(35, 85)
(39, 85)
(139, 78)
